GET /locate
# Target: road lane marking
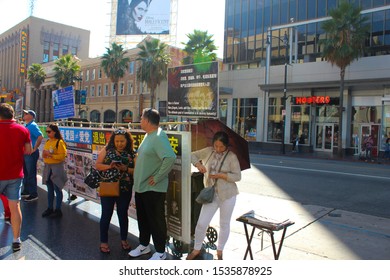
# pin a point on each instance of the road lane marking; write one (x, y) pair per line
(323, 171)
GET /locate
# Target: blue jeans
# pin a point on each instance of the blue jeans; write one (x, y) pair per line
(51, 188)
(30, 173)
(11, 188)
(122, 205)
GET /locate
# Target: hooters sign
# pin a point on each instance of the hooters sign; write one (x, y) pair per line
(312, 100)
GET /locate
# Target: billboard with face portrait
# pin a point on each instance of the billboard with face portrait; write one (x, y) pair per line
(138, 17)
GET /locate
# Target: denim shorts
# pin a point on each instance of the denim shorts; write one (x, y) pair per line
(11, 188)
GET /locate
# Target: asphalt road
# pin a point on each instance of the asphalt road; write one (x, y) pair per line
(351, 186)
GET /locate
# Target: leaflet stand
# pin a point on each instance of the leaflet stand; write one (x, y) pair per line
(263, 226)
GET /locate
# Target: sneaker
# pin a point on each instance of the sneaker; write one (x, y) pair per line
(25, 194)
(56, 214)
(16, 246)
(47, 212)
(31, 198)
(158, 256)
(140, 250)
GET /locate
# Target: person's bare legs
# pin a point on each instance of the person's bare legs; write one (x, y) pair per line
(16, 217)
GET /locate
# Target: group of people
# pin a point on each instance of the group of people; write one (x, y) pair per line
(144, 171)
(148, 172)
(19, 146)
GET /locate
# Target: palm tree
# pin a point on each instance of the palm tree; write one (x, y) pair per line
(200, 48)
(345, 42)
(114, 64)
(36, 75)
(66, 70)
(154, 64)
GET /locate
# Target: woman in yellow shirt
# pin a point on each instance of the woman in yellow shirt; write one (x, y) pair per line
(54, 174)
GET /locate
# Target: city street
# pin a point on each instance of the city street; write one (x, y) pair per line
(346, 185)
(340, 207)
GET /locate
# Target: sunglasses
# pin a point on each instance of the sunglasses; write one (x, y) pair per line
(120, 131)
(49, 131)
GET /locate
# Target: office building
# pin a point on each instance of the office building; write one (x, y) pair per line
(260, 36)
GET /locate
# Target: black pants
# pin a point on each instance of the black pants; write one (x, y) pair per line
(151, 219)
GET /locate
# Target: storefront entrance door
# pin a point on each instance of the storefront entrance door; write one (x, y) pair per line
(324, 137)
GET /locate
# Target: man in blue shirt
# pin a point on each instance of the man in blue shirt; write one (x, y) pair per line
(30, 189)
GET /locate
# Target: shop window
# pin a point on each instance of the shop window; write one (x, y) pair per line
(223, 105)
(368, 117)
(274, 133)
(300, 123)
(245, 117)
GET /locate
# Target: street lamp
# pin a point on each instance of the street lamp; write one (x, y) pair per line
(79, 79)
(284, 98)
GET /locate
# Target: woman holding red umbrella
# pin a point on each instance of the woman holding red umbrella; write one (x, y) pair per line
(221, 169)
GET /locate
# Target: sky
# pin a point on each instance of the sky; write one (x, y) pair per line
(94, 15)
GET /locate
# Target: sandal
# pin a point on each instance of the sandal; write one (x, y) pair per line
(104, 248)
(125, 245)
(193, 255)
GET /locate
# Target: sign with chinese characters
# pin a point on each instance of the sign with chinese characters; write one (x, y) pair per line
(83, 147)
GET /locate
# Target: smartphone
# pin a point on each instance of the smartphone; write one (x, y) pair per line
(116, 161)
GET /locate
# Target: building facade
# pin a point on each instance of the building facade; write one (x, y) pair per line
(260, 36)
(133, 95)
(35, 40)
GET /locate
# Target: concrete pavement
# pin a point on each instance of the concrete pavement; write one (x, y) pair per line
(319, 233)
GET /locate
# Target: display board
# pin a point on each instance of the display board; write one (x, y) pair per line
(83, 147)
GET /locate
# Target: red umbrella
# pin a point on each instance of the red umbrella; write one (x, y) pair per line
(202, 135)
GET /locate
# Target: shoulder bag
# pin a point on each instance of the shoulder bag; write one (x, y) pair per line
(207, 194)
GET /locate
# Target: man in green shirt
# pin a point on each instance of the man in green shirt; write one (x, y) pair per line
(154, 161)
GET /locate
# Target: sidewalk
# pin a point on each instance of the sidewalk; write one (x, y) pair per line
(319, 233)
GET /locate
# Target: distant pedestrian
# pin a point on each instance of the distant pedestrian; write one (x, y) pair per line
(295, 141)
(54, 174)
(368, 143)
(30, 186)
(15, 142)
(387, 149)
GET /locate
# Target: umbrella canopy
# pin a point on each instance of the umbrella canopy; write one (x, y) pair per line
(202, 135)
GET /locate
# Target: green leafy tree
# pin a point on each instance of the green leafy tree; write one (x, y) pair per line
(154, 59)
(36, 75)
(200, 48)
(114, 64)
(345, 42)
(66, 69)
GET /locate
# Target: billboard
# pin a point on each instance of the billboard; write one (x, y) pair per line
(138, 17)
(193, 90)
(63, 103)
